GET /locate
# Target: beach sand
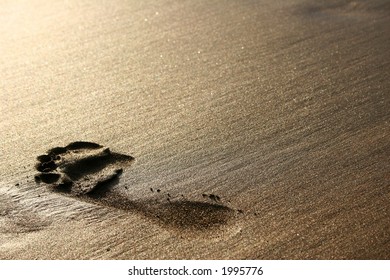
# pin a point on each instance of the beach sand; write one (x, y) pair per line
(200, 129)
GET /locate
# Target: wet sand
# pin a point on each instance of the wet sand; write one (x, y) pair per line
(235, 129)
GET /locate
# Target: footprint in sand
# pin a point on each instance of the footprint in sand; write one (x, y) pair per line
(80, 167)
(87, 171)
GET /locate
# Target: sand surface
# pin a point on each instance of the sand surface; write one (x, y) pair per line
(216, 129)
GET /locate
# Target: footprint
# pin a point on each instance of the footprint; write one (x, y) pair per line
(87, 171)
(80, 167)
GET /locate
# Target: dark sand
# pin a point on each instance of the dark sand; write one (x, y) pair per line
(236, 129)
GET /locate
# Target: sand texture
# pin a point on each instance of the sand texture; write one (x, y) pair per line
(195, 129)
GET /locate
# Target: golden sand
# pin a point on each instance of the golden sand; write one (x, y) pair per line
(259, 129)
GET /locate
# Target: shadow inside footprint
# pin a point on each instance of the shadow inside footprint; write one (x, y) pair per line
(181, 214)
(194, 214)
(87, 171)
